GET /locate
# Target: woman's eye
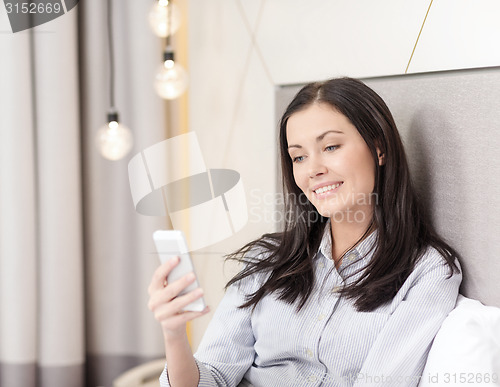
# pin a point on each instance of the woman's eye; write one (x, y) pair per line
(298, 159)
(331, 147)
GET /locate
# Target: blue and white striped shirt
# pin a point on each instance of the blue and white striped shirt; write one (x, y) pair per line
(328, 342)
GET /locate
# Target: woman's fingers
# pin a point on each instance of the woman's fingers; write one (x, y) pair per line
(165, 302)
(171, 291)
(172, 323)
(169, 295)
(170, 313)
(182, 301)
(160, 275)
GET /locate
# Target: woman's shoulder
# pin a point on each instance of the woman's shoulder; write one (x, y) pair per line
(432, 273)
(434, 262)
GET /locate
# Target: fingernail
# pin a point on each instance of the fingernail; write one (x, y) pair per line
(190, 277)
(199, 291)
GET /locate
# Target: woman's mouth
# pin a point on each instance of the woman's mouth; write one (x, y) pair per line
(327, 189)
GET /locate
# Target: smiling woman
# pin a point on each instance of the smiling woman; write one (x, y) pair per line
(334, 168)
(342, 293)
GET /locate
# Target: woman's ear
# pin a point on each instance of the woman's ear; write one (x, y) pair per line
(381, 157)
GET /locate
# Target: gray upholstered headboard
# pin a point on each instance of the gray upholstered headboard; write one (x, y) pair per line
(450, 125)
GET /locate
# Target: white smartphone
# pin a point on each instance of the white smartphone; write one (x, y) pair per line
(171, 243)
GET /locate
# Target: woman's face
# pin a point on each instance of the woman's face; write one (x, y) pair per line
(332, 164)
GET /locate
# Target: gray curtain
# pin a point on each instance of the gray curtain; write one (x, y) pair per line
(75, 257)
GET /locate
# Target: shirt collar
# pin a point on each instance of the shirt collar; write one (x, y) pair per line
(363, 251)
(325, 246)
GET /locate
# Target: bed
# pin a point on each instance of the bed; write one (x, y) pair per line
(450, 125)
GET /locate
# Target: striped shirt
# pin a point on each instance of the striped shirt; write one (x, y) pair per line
(328, 342)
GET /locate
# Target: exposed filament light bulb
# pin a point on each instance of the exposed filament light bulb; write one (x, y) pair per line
(163, 13)
(171, 80)
(114, 140)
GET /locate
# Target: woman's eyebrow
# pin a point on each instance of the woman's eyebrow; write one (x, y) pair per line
(319, 138)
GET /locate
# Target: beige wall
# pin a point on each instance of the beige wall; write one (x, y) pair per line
(241, 50)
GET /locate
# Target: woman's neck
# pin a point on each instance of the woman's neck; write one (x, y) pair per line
(345, 235)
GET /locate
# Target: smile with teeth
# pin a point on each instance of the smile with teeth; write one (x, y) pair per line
(327, 188)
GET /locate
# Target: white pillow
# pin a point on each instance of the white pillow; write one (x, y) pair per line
(466, 350)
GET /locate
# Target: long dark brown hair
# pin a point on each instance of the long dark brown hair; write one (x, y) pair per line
(404, 228)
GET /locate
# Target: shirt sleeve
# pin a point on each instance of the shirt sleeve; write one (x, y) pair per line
(226, 351)
(399, 353)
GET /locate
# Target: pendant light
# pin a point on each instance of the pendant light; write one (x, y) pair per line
(113, 139)
(164, 18)
(171, 79)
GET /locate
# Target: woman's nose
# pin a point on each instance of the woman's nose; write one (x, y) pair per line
(316, 167)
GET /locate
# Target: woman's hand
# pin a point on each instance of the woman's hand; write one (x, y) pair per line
(165, 304)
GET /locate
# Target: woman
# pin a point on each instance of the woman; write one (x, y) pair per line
(354, 289)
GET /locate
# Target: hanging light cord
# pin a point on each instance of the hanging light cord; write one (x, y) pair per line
(169, 23)
(111, 57)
